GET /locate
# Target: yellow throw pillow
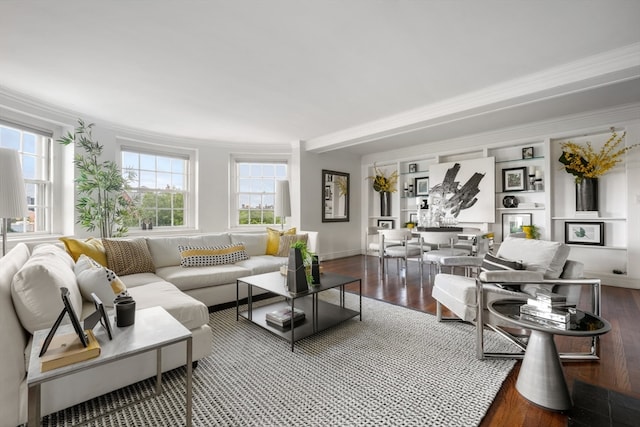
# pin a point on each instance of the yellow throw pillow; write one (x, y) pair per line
(273, 239)
(93, 248)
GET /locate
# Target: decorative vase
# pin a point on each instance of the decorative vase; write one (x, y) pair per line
(587, 194)
(385, 203)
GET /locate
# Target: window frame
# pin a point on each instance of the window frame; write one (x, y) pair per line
(189, 194)
(44, 180)
(235, 160)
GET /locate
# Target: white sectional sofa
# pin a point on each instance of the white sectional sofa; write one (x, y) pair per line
(30, 278)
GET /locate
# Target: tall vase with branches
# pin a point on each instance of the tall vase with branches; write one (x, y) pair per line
(103, 203)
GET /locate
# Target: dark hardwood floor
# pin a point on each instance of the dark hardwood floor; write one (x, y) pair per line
(618, 368)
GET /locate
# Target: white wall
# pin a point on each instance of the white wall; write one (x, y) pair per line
(337, 239)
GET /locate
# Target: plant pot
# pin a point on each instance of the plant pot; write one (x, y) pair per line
(385, 203)
(587, 194)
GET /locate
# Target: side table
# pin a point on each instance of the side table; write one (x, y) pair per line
(541, 379)
(153, 329)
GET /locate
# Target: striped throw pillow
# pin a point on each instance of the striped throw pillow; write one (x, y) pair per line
(199, 256)
(493, 263)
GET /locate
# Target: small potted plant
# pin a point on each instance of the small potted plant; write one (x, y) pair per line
(307, 259)
(531, 231)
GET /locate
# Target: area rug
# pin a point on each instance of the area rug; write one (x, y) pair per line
(396, 367)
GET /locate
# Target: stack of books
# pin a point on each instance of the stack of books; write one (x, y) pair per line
(282, 317)
(549, 309)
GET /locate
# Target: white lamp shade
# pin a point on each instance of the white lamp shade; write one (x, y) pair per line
(13, 199)
(283, 201)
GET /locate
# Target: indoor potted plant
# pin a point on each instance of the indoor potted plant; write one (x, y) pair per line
(587, 166)
(103, 202)
(385, 185)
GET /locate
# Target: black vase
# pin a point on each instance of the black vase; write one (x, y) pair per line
(385, 203)
(587, 194)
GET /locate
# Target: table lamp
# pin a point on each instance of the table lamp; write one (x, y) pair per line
(13, 199)
(282, 208)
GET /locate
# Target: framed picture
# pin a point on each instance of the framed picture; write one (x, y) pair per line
(584, 233)
(413, 167)
(514, 179)
(422, 186)
(413, 217)
(385, 223)
(513, 222)
(335, 196)
(527, 153)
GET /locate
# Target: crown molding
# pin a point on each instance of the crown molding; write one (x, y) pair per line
(557, 128)
(599, 70)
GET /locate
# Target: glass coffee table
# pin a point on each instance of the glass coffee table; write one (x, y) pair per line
(319, 315)
(541, 379)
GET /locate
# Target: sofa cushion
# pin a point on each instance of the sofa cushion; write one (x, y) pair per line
(94, 278)
(164, 250)
(187, 310)
(186, 279)
(200, 256)
(128, 256)
(255, 243)
(35, 289)
(273, 239)
(538, 255)
(263, 264)
(91, 247)
(284, 247)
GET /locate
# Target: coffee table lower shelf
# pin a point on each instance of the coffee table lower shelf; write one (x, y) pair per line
(325, 316)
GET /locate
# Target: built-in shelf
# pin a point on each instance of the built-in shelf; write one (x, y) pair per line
(519, 192)
(573, 218)
(615, 248)
(520, 160)
(537, 208)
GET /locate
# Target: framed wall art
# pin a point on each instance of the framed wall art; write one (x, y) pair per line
(527, 153)
(465, 190)
(584, 233)
(513, 222)
(422, 186)
(335, 196)
(514, 179)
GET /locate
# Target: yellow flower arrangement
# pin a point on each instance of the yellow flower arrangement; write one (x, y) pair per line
(382, 182)
(583, 162)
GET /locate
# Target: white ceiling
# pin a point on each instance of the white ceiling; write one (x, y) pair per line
(340, 74)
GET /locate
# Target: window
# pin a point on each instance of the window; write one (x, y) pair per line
(34, 148)
(159, 185)
(256, 187)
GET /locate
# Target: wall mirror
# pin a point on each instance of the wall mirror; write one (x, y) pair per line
(335, 196)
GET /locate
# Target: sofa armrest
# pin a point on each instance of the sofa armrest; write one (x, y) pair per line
(511, 276)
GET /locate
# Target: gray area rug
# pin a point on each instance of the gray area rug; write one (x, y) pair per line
(398, 367)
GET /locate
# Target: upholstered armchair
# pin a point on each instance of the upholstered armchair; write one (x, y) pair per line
(546, 267)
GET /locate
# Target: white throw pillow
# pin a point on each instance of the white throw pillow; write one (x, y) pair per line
(537, 255)
(35, 289)
(94, 278)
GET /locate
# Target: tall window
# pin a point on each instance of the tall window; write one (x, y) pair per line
(34, 148)
(256, 187)
(160, 187)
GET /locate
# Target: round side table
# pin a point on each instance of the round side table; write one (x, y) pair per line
(541, 379)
